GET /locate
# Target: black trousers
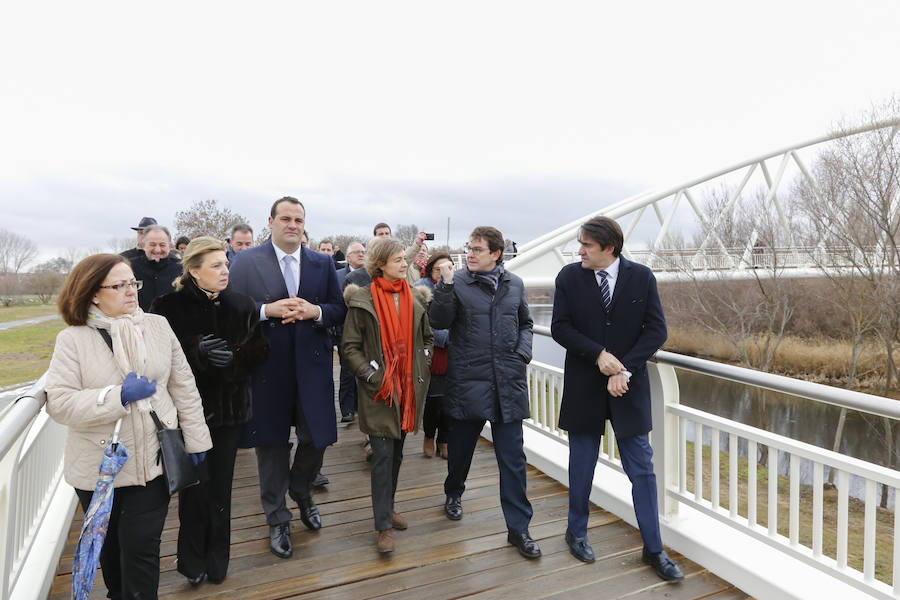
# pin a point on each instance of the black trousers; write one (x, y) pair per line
(130, 555)
(387, 455)
(511, 461)
(278, 476)
(347, 391)
(204, 511)
(434, 419)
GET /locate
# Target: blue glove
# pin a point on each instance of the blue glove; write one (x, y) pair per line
(136, 388)
(198, 457)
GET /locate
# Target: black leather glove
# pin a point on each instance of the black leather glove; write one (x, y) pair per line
(215, 351)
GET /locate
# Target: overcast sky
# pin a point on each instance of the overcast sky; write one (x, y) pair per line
(522, 115)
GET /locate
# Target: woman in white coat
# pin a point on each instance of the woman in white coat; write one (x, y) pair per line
(115, 362)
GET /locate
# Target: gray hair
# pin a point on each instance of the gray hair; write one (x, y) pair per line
(241, 227)
(165, 230)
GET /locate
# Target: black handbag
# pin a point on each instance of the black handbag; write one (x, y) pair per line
(177, 465)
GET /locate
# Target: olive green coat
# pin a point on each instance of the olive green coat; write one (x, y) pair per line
(361, 344)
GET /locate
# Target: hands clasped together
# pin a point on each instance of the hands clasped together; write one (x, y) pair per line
(618, 379)
(292, 309)
(215, 351)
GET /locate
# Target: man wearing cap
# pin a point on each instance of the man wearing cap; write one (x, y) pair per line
(156, 266)
(138, 250)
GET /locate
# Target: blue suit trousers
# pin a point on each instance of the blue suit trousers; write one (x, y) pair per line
(637, 461)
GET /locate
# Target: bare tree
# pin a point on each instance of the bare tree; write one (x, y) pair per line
(9, 287)
(119, 244)
(263, 236)
(204, 217)
(852, 204)
(751, 314)
(405, 233)
(45, 284)
(16, 251)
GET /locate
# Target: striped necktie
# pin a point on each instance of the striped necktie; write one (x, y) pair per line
(604, 290)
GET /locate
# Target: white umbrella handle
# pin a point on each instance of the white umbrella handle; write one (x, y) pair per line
(115, 437)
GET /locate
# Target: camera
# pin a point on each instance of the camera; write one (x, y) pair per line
(429, 236)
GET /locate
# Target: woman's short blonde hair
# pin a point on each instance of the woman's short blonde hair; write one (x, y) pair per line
(379, 252)
(193, 257)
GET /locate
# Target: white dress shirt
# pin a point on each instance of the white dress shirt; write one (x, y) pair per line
(612, 273)
(295, 269)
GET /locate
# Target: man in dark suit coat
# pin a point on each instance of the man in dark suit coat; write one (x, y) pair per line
(296, 291)
(608, 317)
(356, 260)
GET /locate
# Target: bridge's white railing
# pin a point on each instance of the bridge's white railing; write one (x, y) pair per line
(36, 506)
(703, 520)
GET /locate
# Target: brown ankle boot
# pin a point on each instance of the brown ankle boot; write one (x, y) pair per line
(428, 447)
(386, 541)
(398, 521)
(442, 450)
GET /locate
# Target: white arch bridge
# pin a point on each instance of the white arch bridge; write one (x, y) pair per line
(772, 537)
(742, 225)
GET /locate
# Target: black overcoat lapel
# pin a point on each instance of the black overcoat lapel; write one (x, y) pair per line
(622, 282)
(271, 274)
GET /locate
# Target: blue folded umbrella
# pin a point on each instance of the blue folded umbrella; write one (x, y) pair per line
(96, 519)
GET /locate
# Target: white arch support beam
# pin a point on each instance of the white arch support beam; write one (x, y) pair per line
(650, 240)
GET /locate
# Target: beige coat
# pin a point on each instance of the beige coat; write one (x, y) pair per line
(82, 367)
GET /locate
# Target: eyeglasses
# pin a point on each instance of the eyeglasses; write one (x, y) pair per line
(123, 287)
(476, 250)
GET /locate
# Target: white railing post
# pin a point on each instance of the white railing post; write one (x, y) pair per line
(664, 392)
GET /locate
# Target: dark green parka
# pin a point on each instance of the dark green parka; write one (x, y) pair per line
(361, 344)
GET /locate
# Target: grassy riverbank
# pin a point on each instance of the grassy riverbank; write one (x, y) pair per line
(821, 360)
(884, 534)
(25, 351)
(18, 313)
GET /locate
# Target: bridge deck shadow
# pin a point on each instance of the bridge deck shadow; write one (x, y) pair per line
(435, 558)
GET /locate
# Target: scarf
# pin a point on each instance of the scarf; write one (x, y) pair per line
(396, 344)
(129, 349)
(492, 277)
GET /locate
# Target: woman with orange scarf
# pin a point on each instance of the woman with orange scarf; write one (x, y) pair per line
(388, 344)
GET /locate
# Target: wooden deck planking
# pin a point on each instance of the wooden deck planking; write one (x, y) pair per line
(435, 558)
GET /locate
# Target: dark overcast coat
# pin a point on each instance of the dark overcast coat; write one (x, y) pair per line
(232, 317)
(492, 334)
(298, 374)
(157, 277)
(633, 331)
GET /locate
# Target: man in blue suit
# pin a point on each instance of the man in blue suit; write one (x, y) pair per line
(608, 317)
(298, 298)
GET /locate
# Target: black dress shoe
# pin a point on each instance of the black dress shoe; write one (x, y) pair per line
(319, 481)
(526, 546)
(664, 566)
(347, 418)
(195, 581)
(580, 548)
(309, 515)
(280, 540)
(453, 508)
